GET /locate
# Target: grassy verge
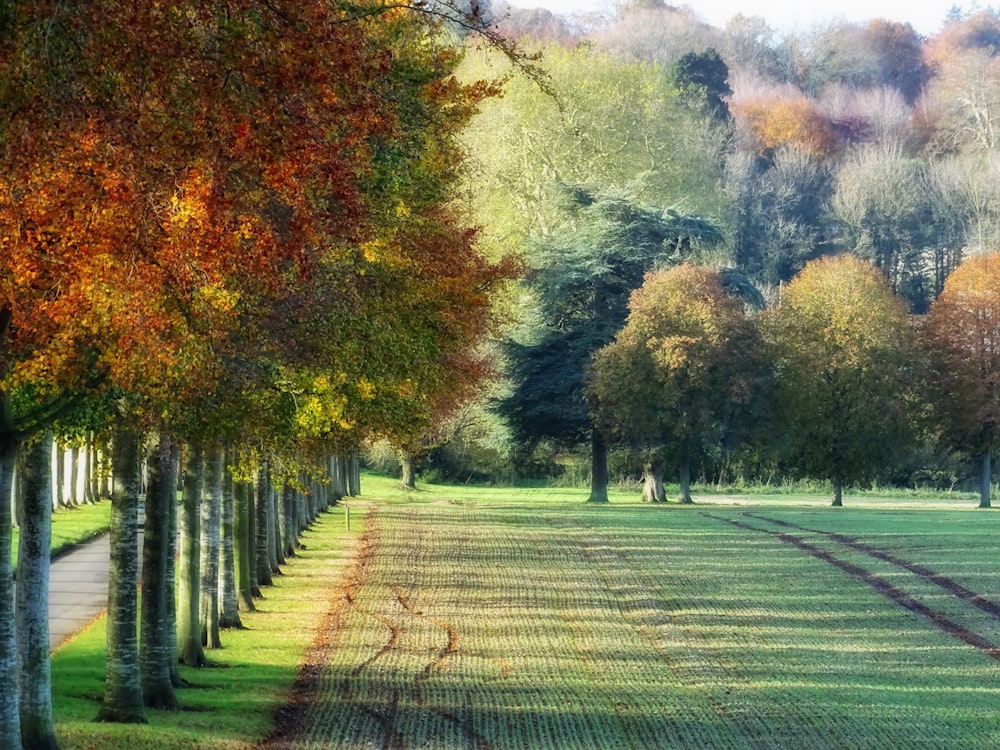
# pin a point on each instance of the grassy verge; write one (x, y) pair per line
(229, 706)
(73, 526)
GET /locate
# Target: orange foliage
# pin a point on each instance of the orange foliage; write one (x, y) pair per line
(779, 119)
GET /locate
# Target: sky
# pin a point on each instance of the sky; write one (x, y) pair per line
(926, 16)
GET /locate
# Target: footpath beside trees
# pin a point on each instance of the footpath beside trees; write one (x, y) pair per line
(842, 347)
(961, 340)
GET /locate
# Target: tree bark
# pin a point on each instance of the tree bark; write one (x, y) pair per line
(838, 494)
(277, 538)
(10, 718)
(684, 494)
(598, 468)
(155, 652)
(211, 505)
(189, 648)
(74, 475)
(408, 480)
(38, 730)
(290, 514)
(985, 479)
(353, 475)
(243, 549)
(89, 482)
(122, 686)
(60, 451)
(229, 615)
(338, 480)
(652, 482)
(262, 534)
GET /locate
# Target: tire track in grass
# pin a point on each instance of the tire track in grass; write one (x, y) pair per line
(880, 584)
(950, 585)
(294, 722)
(475, 740)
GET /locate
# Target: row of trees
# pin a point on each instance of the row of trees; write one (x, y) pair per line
(834, 381)
(229, 223)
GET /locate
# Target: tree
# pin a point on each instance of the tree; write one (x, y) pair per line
(961, 338)
(580, 279)
(885, 202)
(679, 376)
(841, 345)
(123, 695)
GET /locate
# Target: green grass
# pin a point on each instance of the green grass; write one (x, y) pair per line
(230, 705)
(514, 618)
(73, 526)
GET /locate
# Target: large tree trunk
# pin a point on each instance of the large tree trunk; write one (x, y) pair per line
(652, 482)
(156, 654)
(211, 505)
(74, 475)
(10, 718)
(38, 730)
(262, 540)
(408, 480)
(353, 475)
(122, 686)
(598, 468)
(338, 477)
(684, 494)
(838, 494)
(229, 615)
(243, 547)
(985, 479)
(189, 648)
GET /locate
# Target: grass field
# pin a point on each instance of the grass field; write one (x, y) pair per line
(534, 623)
(527, 619)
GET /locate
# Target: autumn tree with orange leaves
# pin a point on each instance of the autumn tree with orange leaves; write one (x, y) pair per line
(961, 339)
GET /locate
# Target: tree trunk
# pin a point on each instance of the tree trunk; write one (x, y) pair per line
(189, 648)
(598, 468)
(211, 505)
(684, 491)
(838, 494)
(105, 469)
(155, 654)
(262, 548)
(353, 476)
(289, 534)
(229, 615)
(251, 540)
(408, 480)
(74, 475)
(60, 451)
(338, 477)
(38, 730)
(89, 482)
(276, 539)
(652, 482)
(243, 549)
(170, 587)
(985, 479)
(10, 718)
(122, 686)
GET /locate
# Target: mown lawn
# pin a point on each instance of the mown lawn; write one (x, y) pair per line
(479, 618)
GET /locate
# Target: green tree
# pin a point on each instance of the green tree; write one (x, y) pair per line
(580, 279)
(841, 345)
(961, 339)
(680, 379)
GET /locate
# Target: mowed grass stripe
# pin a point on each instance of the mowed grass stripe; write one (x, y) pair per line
(555, 625)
